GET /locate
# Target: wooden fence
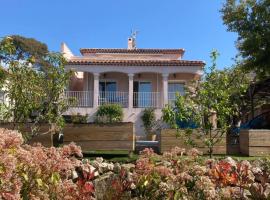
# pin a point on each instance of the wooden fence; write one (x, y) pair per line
(44, 139)
(254, 142)
(92, 137)
(169, 140)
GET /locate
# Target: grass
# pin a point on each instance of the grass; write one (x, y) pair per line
(125, 157)
(239, 158)
(113, 156)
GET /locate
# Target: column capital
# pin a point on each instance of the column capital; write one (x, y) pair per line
(165, 75)
(96, 75)
(130, 76)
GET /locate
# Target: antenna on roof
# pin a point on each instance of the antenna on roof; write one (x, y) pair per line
(134, 33)
(132, 39)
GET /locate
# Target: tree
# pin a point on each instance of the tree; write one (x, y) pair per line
(239, 84)
(24, 91)
(54, 81)
(35, 94)
(24, 49)
(210, 96)
(251, 20)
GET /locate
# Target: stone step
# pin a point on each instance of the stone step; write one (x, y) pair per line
(141, 145)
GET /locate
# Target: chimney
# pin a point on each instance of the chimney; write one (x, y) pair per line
(131, 43)
(67, 53)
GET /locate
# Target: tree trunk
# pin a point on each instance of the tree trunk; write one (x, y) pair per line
(211, 144)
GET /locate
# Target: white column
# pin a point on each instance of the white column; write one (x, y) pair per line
(165, 88)
(85, 96)
(96, 90)
(130, 91)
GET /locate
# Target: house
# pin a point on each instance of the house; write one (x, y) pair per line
(133, 77)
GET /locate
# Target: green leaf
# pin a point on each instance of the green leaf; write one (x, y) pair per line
(25, 176)
(39, 182)
(55, 178)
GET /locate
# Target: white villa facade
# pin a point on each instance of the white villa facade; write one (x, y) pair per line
(134, 78)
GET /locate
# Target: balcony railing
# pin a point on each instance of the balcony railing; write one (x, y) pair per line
(146, 99)
(79, 98)
(140, 99)
(113, 98)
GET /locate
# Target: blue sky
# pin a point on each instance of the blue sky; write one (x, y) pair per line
(194, 25)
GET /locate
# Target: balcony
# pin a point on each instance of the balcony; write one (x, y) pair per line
(146, 100)
(140, 99)
(117, 97)
(79, 98)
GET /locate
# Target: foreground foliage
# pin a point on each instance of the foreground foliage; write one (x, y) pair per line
(181, 174)
(35, 172)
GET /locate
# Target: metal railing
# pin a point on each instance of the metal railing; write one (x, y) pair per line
(79, 98)
(116, 97)
(140, 99)
(146, 99)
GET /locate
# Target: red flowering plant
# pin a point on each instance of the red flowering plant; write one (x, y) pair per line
(151, 178)
(146, 161)
(223, 174)
(231, 173)
(121, 185)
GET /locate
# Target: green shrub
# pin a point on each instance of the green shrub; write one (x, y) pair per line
(79, 119)
(109, 113)
(149, 119)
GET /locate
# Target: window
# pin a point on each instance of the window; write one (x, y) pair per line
(173, 89)
(107, 92)
(107, 86)
(176, 87)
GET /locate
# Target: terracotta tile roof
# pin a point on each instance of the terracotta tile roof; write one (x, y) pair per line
(133, 51)
(136, 62)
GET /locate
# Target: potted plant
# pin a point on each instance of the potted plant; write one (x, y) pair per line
(149, 119)
(109, 113)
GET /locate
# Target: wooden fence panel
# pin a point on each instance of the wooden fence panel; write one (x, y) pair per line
(254, 142)
(92, 137)
(169, 140)
(44, 139)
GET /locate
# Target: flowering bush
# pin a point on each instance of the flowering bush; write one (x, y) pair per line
(36, 172)
(181, 174)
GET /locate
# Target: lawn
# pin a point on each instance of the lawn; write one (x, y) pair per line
(124, 156)
(113, 156)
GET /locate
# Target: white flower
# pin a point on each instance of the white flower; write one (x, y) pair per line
(110, 166)
(231, 161)
(163, 187)
(74, 175)
(99, 159)
(133, 186)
